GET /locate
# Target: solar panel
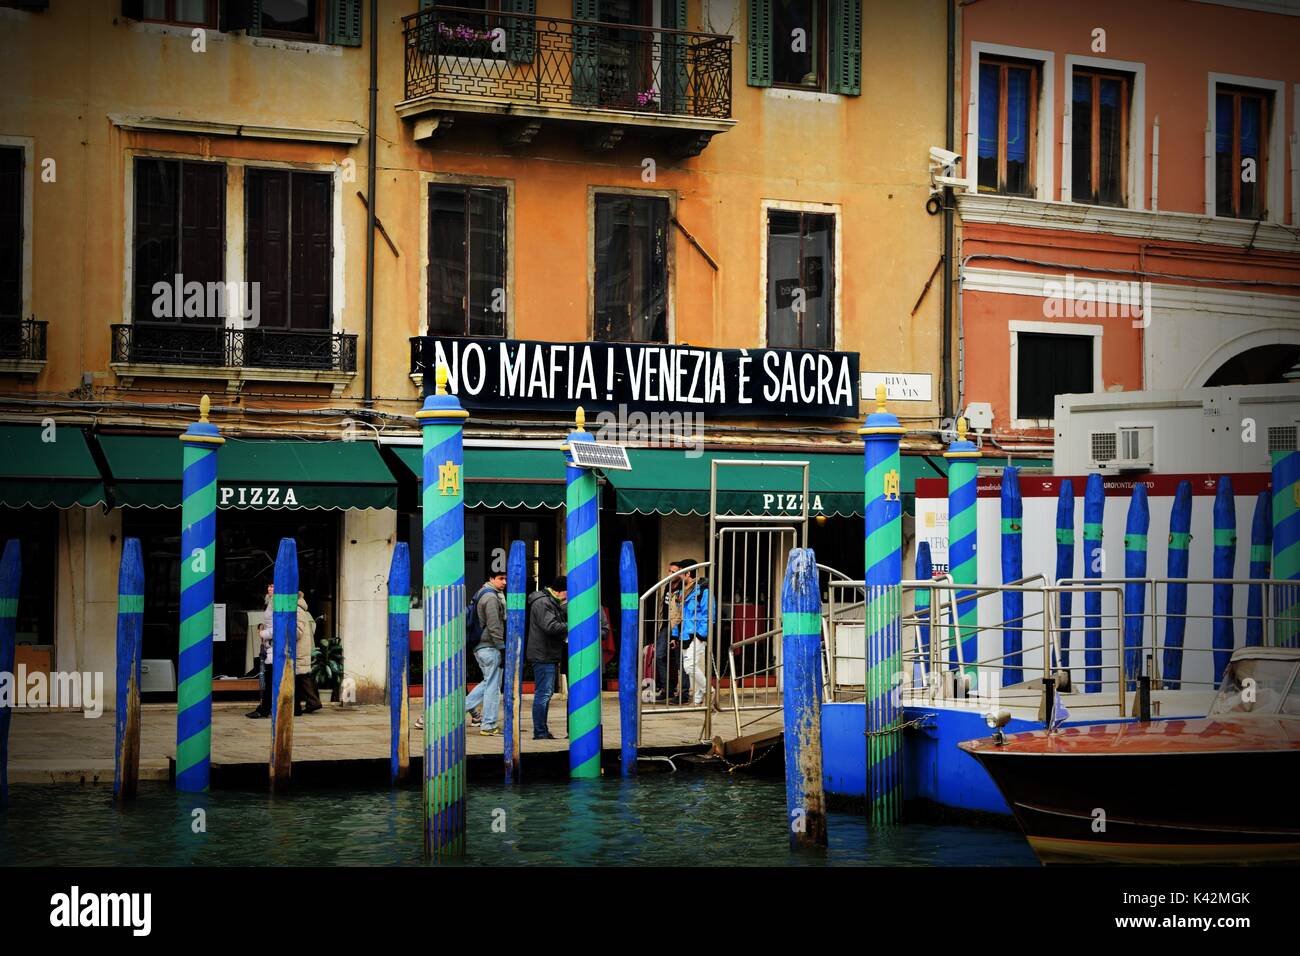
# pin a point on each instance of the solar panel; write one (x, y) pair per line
(594, 454)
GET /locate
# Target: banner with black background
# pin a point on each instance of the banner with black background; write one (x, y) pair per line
(558, 376)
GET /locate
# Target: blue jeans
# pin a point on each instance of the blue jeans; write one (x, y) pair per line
(488, 692)
(544, 678)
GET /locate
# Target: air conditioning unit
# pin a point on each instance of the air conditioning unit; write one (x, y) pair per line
(1128, 448)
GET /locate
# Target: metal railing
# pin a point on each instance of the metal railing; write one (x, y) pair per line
(23, 339)
(175, 343)
(560, 62)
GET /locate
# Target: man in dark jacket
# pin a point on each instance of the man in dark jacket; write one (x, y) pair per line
(548, 636)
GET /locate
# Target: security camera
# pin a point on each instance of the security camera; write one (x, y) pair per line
(944, 159)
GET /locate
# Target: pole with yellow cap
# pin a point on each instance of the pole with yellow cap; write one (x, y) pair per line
(881, 434)
(198, 559)
(443, 505)
(962, 456)
(582, 529)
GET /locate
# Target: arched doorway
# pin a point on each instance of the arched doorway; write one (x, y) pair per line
(1262, 365)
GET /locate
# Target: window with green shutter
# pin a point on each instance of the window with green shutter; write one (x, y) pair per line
(343, 22)
(806, 44)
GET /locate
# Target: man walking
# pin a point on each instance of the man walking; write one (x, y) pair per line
(490, 610)
(548, 636)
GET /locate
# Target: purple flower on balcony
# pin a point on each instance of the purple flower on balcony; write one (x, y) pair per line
(647, 98)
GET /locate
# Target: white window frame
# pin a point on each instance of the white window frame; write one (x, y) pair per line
(1044, 184)
(28, 145)
(670, 255)
(1136, 166)
(834, 210)
(236, 231)
(1048, 328)
(488, 182)
(1277, 156)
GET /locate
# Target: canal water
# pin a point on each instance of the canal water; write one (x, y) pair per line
(708, 819)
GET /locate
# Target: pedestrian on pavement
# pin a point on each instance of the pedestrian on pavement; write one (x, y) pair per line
(694, 629)
(548, 637)
(490, 612)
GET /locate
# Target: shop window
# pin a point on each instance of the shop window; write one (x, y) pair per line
(1241, 131)
(631, 282)
(1099, 113)
(1008, 111)
(199, 13)
(11, 233)
(467, 260)
(800, 280)
(179, 229)
(37, 530)
(289, 246)
(1047, 365)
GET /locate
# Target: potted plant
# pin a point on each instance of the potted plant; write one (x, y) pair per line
(327, 665)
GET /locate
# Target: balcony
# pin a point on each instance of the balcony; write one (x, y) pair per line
(176, 350)
(521, 73)
(22, 347)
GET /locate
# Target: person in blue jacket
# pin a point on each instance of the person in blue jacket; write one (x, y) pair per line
(694, 628)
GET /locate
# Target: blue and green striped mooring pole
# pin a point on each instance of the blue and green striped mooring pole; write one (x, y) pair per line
(130, 629)
(1286, 547)
(1261, 543)
(443, 504)
(1013, 569)
(11, 572)
(582, 529)
(883, 554)
(399, 662)
(1180, 543)
(1225, 561)
(1094, 564)
(629, 643)
(801, 661)
(1136, 526)
(963, 535)
(1065, 566)
(198, 563)
(516, 623)
(284, 656)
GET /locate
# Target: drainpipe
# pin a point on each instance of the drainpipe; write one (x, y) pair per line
(950, 133)
(371, 203)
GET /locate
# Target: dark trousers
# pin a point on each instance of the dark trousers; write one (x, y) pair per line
(305, 693)
(668, 666)
(544, 688)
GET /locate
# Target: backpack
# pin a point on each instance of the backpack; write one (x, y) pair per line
(473, 625)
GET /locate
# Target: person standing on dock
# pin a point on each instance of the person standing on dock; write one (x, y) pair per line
(490, 610)
(666, 656)
(548, 636)
(694, 630)
(306, 697)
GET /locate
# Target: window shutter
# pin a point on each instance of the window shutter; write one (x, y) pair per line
(522, 33)
(584, 53)
(845, 55)
(676, 80)
(254, 28)
(343, 22)
(758, 49)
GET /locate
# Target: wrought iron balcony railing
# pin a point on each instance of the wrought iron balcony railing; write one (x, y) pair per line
(175, 343)
(557, 62)
(22, 340)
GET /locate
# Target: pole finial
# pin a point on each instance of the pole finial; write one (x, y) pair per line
(961, 428)
(880, 397)
(205, 406)
(440, 376)
(580, 419)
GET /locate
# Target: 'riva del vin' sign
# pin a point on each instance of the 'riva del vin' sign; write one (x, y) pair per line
(519, 374)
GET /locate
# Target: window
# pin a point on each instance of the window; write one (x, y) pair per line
(1099, 114)
(290, 246)
(1008, 111)
(467, 260)
(1047, 365)
(806, 44)
(179, 230)
(798, 44)
(11, 233)
(293, 19)
(1242, 119)
(800, 280)
(188, 12)
(631, 282)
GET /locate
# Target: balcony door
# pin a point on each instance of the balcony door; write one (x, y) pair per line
(618, 66)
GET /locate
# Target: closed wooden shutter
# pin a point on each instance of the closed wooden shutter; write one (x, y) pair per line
(290, 247)
(11, 233)
(203, 226)
(343, 22)
(267, 245)
(154, 254)
(310, 251)
(845, 49)
(676, 78)
(758, 47)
